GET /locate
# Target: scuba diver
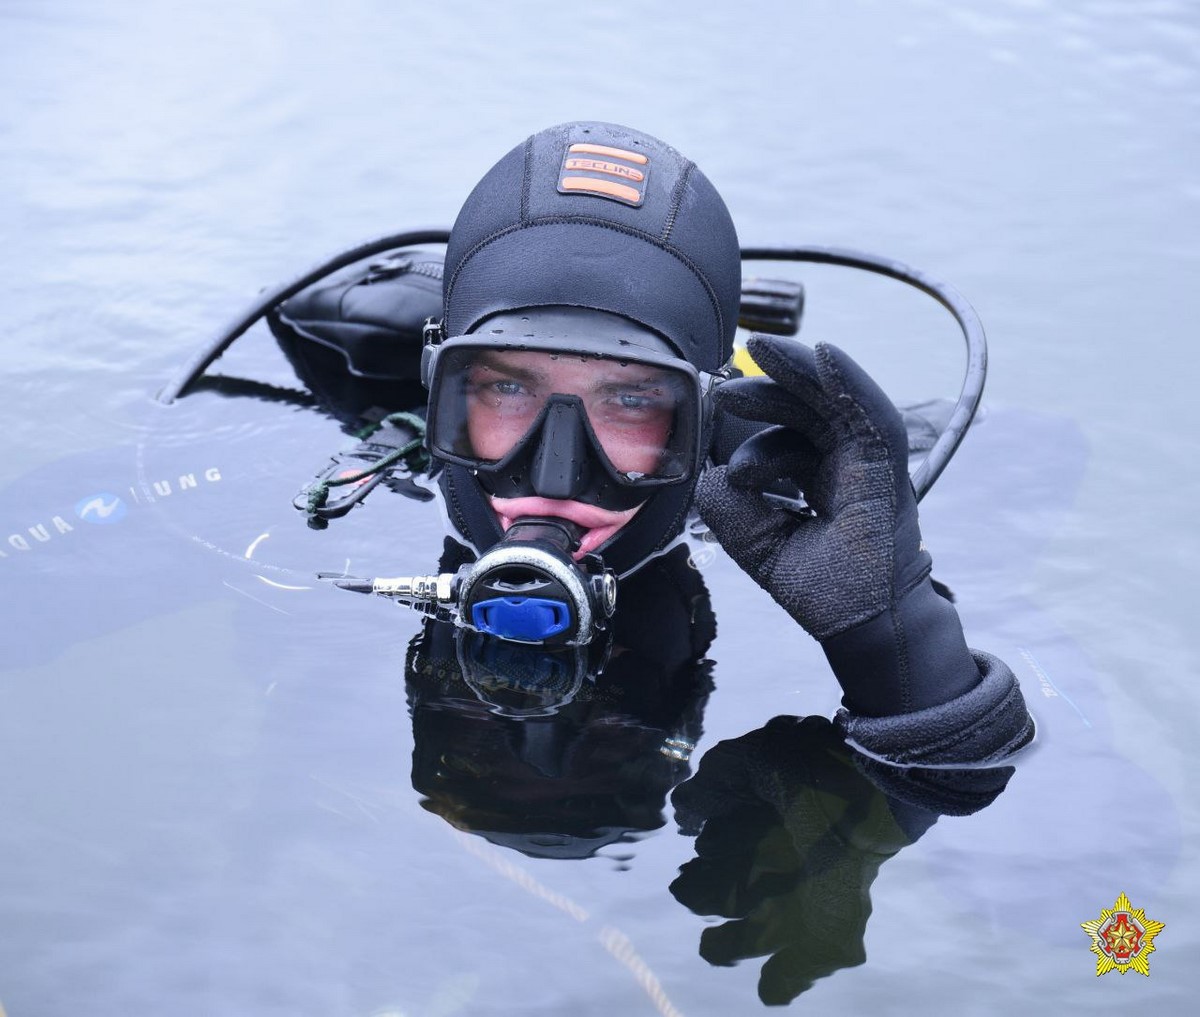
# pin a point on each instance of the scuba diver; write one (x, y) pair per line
(580, 396)
(581, 404)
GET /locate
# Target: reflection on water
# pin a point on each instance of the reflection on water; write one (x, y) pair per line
(559, 753)
(792, 829)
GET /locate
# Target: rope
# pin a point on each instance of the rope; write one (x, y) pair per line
(619, 945)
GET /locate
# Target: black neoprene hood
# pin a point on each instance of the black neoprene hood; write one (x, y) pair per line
(597, 216)
(601, 216)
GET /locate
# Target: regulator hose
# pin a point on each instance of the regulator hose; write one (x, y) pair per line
(968, 321)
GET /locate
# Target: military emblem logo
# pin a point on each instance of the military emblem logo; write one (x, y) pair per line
(1123, 938)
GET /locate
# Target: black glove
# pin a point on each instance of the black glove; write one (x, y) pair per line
(853, 572)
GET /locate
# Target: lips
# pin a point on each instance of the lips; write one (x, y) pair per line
(598, 524)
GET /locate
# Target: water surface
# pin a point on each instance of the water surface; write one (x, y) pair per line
(206, 778)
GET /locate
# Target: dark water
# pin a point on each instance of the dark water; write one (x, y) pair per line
(206, 774)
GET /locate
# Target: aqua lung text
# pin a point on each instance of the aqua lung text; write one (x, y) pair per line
(103, 508)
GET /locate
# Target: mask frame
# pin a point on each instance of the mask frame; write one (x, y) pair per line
(560, 454)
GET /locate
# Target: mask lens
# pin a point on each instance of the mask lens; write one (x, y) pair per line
(488, 403)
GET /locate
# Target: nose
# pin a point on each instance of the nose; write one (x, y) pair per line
(560, 464)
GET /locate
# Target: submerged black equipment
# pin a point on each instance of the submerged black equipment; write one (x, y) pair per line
(556, 752)
(526, 589)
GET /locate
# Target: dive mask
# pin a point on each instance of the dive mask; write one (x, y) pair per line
(566, 403)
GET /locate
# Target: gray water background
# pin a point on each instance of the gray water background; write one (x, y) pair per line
(184, 833)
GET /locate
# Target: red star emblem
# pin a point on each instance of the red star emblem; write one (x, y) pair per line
(1122, 938)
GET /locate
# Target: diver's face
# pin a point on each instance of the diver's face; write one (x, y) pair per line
(630, 408)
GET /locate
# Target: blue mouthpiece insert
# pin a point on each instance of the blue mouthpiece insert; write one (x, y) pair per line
(528, 619)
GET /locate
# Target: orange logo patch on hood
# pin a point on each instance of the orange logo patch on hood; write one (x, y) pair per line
(605, 172)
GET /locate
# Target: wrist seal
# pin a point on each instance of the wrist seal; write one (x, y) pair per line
(987, 724)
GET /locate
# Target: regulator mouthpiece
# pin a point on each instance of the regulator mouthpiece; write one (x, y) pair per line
(526, 589)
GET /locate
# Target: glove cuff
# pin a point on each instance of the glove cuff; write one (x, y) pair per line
(907, 658)
(986, 724)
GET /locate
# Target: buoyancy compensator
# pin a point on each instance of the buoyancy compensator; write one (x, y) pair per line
(355, 338)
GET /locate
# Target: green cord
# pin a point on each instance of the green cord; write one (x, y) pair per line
(319, 495)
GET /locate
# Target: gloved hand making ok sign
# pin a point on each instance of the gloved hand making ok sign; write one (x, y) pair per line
(854, 573)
